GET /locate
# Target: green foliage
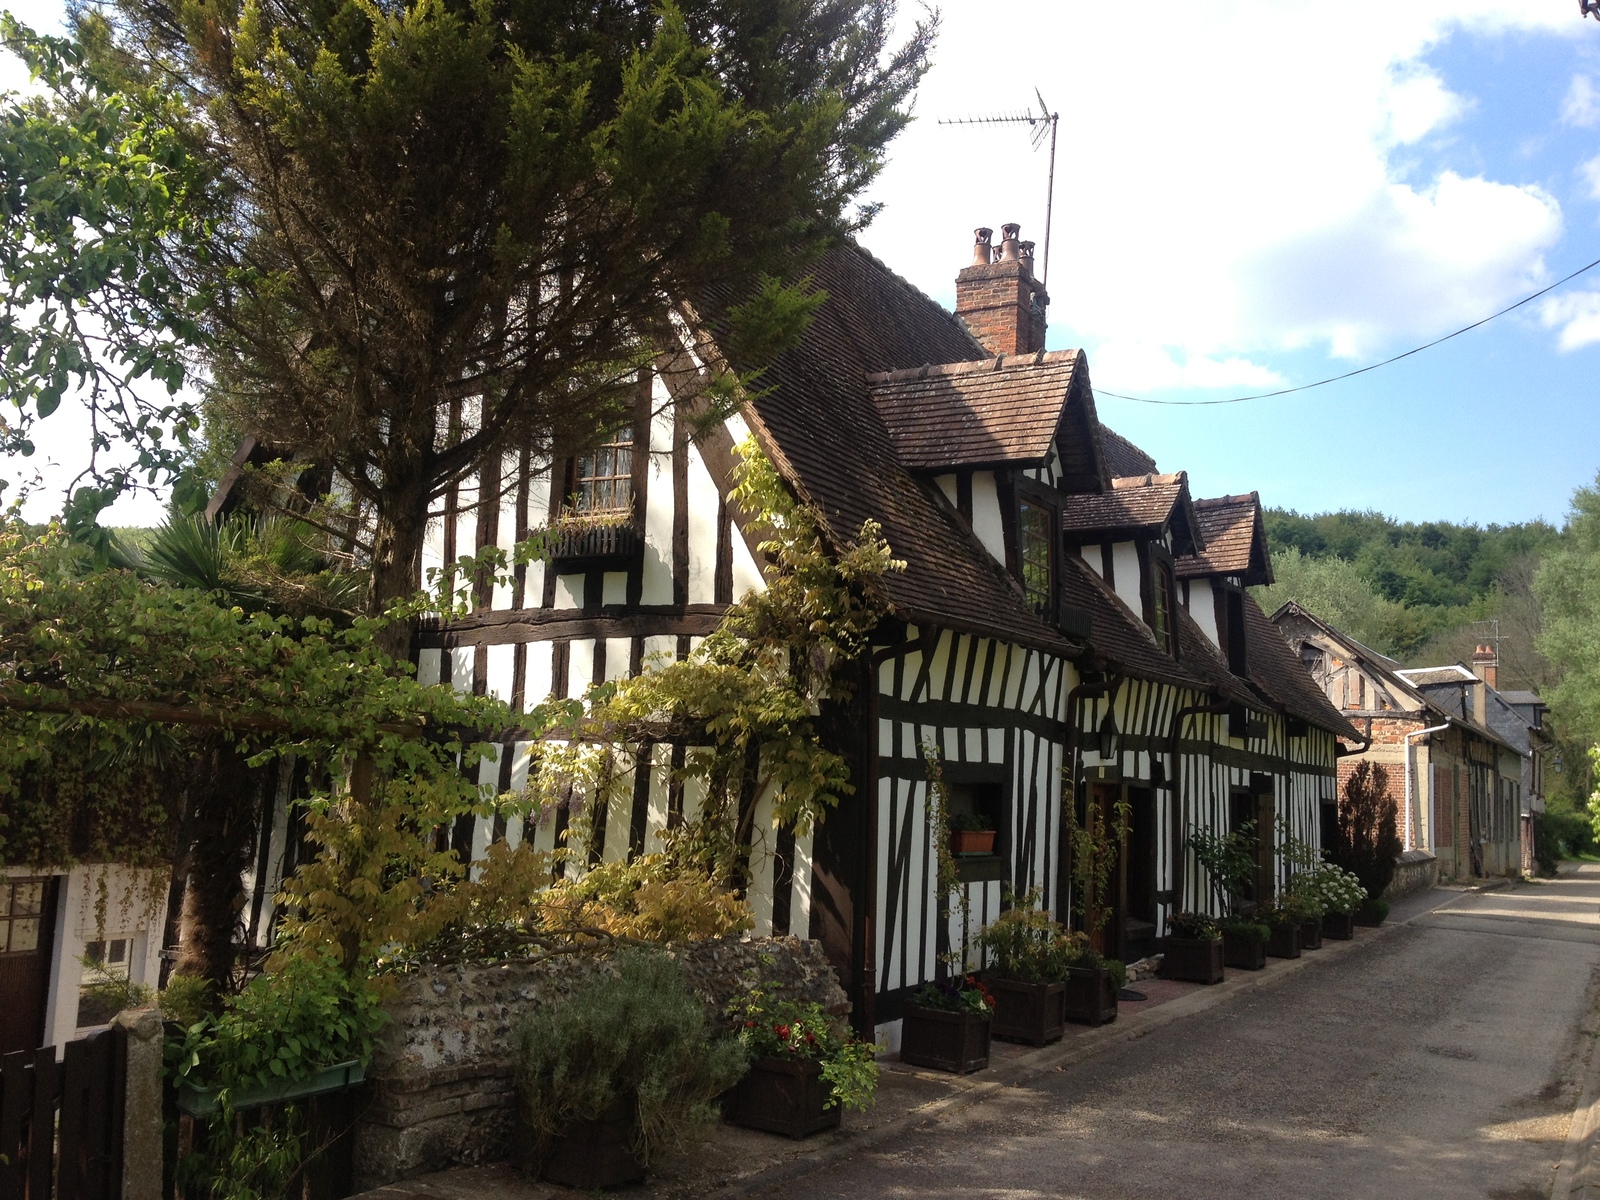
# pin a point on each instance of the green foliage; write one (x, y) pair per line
(186, 1000)
(940, 823)
(1193, 926)
(1326, 888)
(959, 993)
(971, 822)
(1366, 842)
(255, 1160)
(286, 1025)
(1025, 943)
(1568, 585)
(1246, 928)
(775, 1027)
(647, 899)
(1094, 845)
(1229, 861)
(1337, 592)
(107, 993)
(638, 1037)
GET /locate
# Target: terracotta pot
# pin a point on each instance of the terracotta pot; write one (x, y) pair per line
(1034, 1013)
(945, 1041)
(972, 841)
(784, 1095)
(1196, 960)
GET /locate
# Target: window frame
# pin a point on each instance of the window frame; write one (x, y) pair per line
(1030, 495)
(620, 479)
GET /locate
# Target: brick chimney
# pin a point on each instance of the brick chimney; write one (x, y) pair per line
(998, 297)
(1486, 665)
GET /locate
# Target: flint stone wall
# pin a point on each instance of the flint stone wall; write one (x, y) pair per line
(1415, 871)
(441, 1085)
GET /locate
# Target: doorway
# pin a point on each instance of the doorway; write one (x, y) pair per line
(27, 940)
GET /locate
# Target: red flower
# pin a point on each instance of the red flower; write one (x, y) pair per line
(782, 1031)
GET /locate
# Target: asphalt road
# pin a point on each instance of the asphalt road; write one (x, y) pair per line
(1441, 1060)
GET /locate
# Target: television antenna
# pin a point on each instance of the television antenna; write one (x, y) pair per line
(1039, 123)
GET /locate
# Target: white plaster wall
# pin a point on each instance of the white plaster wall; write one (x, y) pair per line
(1125, 568)
(947, 485)
(96, 903)
(1203, 608)
(702, 530)
(986, 519)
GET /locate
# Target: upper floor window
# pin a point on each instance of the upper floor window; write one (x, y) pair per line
(603, 478)
(1161, 618)
(1036, 532)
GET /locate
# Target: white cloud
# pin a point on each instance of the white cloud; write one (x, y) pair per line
(1590, 171)
(1233, 181)
(1577, 315)
(1582, 105)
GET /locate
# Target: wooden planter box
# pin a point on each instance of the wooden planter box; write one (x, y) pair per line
(1196, 960)
(1245, 953)
(972, 842)
(1340, 927)
(945, 1041)
(202, 1101)
(1284, 942)
(1090, 996)
(1369, 917)
(597, 1154)
(1034, 1013)
(785, 1095)
(1311, 934)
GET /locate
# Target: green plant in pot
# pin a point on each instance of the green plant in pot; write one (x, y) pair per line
(1030, 957)
(1193, 949)
(1284, 922)
(805, 1067)
(971, 834)
(1342, 895)
(946, 1025)
(1244, 942)
(625, 1068)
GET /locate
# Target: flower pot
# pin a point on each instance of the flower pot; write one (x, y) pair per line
(599, 1153)
(1311, 934)
(1371, 915)
(1338, 926)
(1284, 942)
(1090, 995)
(1243, 952)
(971, 842)
(785, 1095)
(945, 1041)
(1197, 960)
(203, 1101)
(1034, 1013)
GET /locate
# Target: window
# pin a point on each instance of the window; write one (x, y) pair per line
(1161, 622)
(21, 907)
(1035, 528)
(604, 477)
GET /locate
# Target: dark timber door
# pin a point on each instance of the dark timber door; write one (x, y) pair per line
(27, 934)
(1136, 913)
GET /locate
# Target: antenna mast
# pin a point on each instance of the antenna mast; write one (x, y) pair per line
(1039, 123)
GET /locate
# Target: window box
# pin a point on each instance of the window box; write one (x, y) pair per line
(785, 1095)
(1341, 927)
(583, 544)
(1034, 1013)
(973, 842)
(203, 1101)
(1311, 934)
(945, 1041)
(1284, 942)
(1194, 960)
(1090, 996)
(1245, 953)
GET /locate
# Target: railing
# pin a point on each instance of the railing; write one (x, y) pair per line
(79, 1157)
(596, 545)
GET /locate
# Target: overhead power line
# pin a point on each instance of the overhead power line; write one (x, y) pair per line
(1306, 387)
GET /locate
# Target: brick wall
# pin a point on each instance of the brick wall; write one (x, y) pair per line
(996, 300)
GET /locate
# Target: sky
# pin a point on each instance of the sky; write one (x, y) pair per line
(1254, 195)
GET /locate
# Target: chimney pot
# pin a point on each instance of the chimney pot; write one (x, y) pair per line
(1486, 665)
(1025, 255)
(982, 252)
(1008, 242)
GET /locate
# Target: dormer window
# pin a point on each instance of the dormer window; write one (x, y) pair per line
(1035, 538)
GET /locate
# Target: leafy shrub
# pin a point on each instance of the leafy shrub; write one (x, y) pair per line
(186, 999)
(1192, 926)
(1332, 889)
(782, 1028)
(1229, 860)
(1247, 928)
(959, 993)
(1366, 842)
(638, 1037)
(970, 822)
(107, 993)
(1374, 910)
(647, 899)
(1026, 944)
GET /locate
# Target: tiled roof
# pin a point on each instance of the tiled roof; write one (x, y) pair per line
(1523, 698)
(1423, 676)
(1141, 502)
(1122, 457)
(1235, 543)
(1119, 638)
(1283, 678)
(1001, 410)
(817, 420)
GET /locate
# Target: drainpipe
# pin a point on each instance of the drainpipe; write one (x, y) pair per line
(1418, 733)
(1180, 814)
(1075, 697)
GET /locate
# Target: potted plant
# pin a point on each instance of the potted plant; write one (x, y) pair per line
(1092, 985)
(1244, 942)
(1340, 893)
(1192, 949)
(1303, 907)
(1372, 913)
(971, 834)
(1283, 931)
(804, 1069)
(619, 1071)
(946, 1026)
(1029, 955)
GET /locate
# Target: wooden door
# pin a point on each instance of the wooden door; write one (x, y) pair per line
(27, 937)
(1136, 913)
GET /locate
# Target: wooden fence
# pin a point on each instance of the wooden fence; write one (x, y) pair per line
(61, 1123)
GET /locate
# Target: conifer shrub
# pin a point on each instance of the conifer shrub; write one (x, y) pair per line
(1366, 841)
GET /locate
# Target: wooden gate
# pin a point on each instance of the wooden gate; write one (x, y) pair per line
(61, 1123)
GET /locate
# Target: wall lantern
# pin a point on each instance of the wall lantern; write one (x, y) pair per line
(1106, 735)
